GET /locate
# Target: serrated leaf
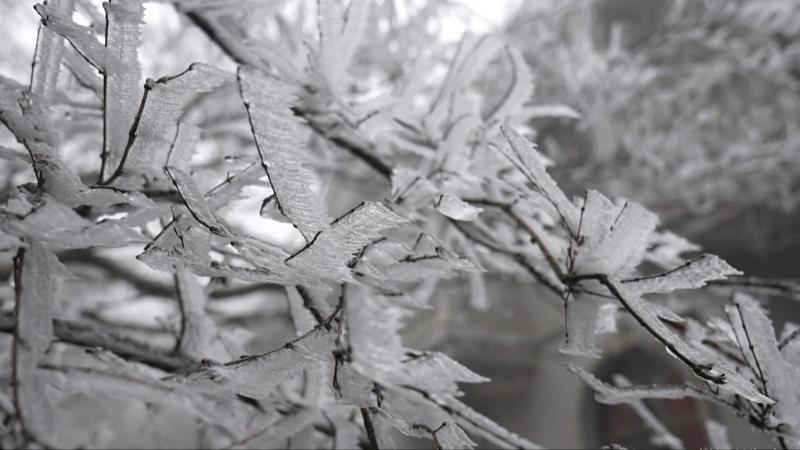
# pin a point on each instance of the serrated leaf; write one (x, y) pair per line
(730, 380)
(691, 275)
(329, 252)
(183, 146)
(523, 155)
(451, 436)
(282, 145)
(195, 201)
(581, 318)
(61, 226)
(255, 376)
(615, 237)
(613, 395)
(47, 58)
(757, 341)
(122, 85)
(37, 276)
(81, 38)
(208, 406)
(26, 117)
(163, 105)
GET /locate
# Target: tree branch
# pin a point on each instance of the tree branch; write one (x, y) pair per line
(74, 333)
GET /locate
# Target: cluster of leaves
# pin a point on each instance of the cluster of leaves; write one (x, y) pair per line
(676, 92)
(462, 193)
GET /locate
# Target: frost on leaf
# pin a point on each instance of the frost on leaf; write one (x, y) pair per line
(197, 330)
(426, 412)
(187, 136)
(692, 274)
(756, 338)
(457, 209)
(329, 252)
(374, 325)
(282, 142)
(26, 117)
(47, 59)
(523, 155)
(255, 376)
(340, 33)
(612, 395)
(613, 238)
(81, 38)
(450, 436)
(163, 105)
(123, 89)
(195, 201)
(59, 225)
(581, 314)
(667, 247)
(519, 90)
(722, 375)
(208, 406)
(37, 276)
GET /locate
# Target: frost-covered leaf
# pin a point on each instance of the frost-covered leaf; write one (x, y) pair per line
(375, 323)
(255, 376)
(519, 90)
(180, 242)
(757, 341)
(725, 377)
(693, 274)
(457, 209)
(195, 201)
(451, 436)
(581, 318)
(123, 89)
(615, 238)
(411, 190)
(47, 59)
(667, 247)
(302, 317)
(374, 327)
(282, 142)
(523, 155)
(183, 146)
(163, 105)
(59, 225)
(27, 118)
(437, 372)
(432, 410)
(81, 38)
(331, 22)
(37, 276)
(329, 252)
(612, 395)
(472, 56)
(198, 330)
(341, 32)
(207, 406)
